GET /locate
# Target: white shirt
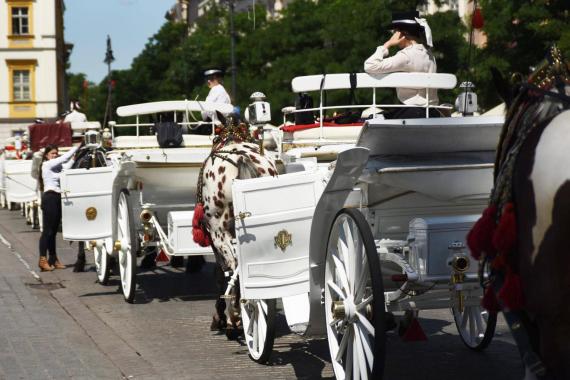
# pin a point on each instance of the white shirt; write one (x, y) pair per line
(414, 58)
(51, 170)
(75, 116)
(217, 94)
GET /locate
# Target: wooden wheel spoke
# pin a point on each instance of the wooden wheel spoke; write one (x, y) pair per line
(359, 358)
(362, 305)
(343, 345)
(366, 347)
(334, 287)
(362, 320)
(341, 271)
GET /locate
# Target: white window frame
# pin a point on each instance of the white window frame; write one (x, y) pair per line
(18, 21)
(21, 85)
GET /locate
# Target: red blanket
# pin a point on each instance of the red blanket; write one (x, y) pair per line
(45, 134)
(302, 127)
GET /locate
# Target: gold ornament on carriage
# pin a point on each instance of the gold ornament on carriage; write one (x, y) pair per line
(283, 239)
(91, 213)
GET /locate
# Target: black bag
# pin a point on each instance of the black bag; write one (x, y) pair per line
(168, 134)
(304, 101)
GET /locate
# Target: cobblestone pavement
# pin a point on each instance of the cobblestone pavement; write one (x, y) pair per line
(63, 325)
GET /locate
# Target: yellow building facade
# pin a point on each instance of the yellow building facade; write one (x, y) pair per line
(32, 62)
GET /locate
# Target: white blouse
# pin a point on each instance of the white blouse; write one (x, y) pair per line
(414, 58)
(217, 94)
(51, 170)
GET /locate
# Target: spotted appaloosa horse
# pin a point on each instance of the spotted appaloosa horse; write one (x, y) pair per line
(235, 155)
(524, 234)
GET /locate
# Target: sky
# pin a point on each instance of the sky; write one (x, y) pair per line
(130, 23)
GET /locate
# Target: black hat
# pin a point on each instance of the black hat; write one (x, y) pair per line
(406, 21)
(213, 72)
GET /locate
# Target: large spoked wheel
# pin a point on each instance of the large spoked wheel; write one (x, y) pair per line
(258, 318)
(476, 326)
(126, 236)
(354, 299)
(102, 262)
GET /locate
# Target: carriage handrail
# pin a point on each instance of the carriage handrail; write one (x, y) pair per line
(290, 110)
(173, 105)
(400, 80)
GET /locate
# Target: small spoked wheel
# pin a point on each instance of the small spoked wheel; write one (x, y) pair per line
(476, 326)
(354, 299)
(258, 318)
(127, 239)
(102, 262)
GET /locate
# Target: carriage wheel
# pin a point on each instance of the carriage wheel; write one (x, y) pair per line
(476, 326)
(126, 235)
(102, 263)
(354, 299)
(258, 318)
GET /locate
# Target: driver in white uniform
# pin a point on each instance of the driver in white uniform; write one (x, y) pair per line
(413, 36)
(217, 94)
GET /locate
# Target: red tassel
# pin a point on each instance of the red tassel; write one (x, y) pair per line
(199, 233)
(511, 293)
(480, 238)
(489, 301)
(198, 213)
(505, 235)
(477, 20)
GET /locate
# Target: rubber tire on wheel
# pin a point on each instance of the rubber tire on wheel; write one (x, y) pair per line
(102, 263)
(476, 326)
(357, 339)
(258, 318)
(126, 233)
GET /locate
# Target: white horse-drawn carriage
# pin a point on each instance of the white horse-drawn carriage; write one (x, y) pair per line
(142, 202)
(381, 229)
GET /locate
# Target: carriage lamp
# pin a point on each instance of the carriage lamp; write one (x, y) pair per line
(459, 263)
(145, 217)
(92, 139)
(466, 102)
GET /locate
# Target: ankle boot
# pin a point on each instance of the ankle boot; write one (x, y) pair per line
(57, 264)
(44, 265)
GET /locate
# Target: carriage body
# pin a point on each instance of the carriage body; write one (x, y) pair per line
(416, 185)
(144, 196)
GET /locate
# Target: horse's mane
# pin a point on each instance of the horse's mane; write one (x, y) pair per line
(538, 101)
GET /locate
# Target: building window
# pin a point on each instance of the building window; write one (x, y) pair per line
(20, 21)
(21, 81)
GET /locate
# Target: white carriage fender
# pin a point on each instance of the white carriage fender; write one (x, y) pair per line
(349, 166)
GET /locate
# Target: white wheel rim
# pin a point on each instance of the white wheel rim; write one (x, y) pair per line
(347, 281)
(124, 236)
(254, 319)
(471, 324)
(101, 261)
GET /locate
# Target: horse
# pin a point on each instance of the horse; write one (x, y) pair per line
(86, 158)
(522, 234)
(235, 155)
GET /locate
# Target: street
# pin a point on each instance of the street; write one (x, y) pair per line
(65, 325)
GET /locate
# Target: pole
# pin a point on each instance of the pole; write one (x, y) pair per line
(233, 50)
(108, 59)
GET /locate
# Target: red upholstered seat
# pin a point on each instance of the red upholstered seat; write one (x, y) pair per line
(41, 135)
(302, 127)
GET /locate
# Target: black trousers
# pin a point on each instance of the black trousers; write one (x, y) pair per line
(51, 207)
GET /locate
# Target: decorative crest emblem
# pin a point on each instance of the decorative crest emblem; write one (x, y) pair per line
(283, 239)
(91, 213)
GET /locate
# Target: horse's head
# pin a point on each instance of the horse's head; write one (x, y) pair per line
(233, 131)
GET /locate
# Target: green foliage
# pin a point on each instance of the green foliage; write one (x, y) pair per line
(325, 36)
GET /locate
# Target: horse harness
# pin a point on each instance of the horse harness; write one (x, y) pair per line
(520, 122)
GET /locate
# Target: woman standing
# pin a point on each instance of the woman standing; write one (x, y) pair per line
(51, 168)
